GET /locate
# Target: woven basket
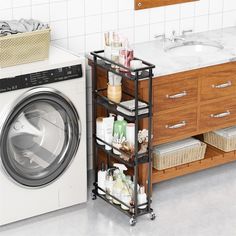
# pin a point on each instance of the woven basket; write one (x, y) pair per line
(24, 48)
(222, 143)
(180, 157)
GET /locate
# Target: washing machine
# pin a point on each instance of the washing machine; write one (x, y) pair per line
(42, 136)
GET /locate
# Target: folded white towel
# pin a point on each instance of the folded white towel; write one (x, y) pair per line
(175, 146)
(227, 132)
(130, 104)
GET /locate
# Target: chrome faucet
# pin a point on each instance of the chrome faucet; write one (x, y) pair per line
(174, 38)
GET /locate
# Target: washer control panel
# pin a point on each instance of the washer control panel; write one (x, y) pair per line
(40, 78)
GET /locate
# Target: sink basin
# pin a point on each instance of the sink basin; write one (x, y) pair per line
(193, 48)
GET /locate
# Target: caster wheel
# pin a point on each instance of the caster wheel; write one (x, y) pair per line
(152, 216)
(94, 197)
(132, 221)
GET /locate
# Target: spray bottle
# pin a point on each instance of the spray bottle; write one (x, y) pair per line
(118, 183)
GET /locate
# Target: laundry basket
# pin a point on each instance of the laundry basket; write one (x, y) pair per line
(24, 47)
(220, 142)
(179, 157)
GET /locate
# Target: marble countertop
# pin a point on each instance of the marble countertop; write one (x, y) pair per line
(169, 63)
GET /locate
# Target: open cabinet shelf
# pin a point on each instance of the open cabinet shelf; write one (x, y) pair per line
(213, 157)
(112, 107)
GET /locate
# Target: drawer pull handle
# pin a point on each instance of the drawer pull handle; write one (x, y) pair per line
(225, 85)
(176, 126)
(221, 115)
(178, 95)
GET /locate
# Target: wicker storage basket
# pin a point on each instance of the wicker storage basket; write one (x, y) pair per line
(24, 48)
(180, 157)
(220, 142)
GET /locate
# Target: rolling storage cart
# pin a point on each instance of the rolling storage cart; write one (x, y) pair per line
(134, 160)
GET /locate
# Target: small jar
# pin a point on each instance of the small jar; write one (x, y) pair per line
(114, 93)
(125, 57)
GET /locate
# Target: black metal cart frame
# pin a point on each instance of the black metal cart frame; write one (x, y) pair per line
(146, 72)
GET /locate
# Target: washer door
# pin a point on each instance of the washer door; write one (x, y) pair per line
(40, 137)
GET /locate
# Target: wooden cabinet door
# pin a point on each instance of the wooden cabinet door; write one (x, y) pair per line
(218, 82)
(171, 125)
(175, 94)
(218, 115)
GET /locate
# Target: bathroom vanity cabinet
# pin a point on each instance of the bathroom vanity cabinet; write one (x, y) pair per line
(189, 104)
(143, 4)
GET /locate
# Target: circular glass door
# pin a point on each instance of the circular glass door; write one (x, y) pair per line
(39, 138)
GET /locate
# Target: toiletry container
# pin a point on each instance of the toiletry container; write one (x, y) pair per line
(130, 134)
(142, 197)
(102, 179)
(114, 79)
(119, 133)
(100, 130)
(114, 93)
(126, 55)
(115, 49)
(108, 123)
(107, 46)
(136, 64)
(126, 197)
(109, 184)
(120, 127)
(117, 188)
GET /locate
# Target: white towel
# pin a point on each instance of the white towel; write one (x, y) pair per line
(21, 26)
(175, 146)
(130, 104)
(227, 132)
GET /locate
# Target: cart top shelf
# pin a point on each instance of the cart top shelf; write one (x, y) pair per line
(132, 74)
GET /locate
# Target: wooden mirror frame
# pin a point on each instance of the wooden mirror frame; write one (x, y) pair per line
(143, 4)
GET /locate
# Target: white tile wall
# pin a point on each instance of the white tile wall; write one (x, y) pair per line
(79, 24)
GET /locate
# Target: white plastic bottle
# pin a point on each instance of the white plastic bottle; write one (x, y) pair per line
(102, 179)
(109, 184)
(116, 190)
(142, 197)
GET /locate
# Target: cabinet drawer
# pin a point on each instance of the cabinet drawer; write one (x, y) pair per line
(220, 82)
(177, 94)
(173, 124)
(216, 115)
